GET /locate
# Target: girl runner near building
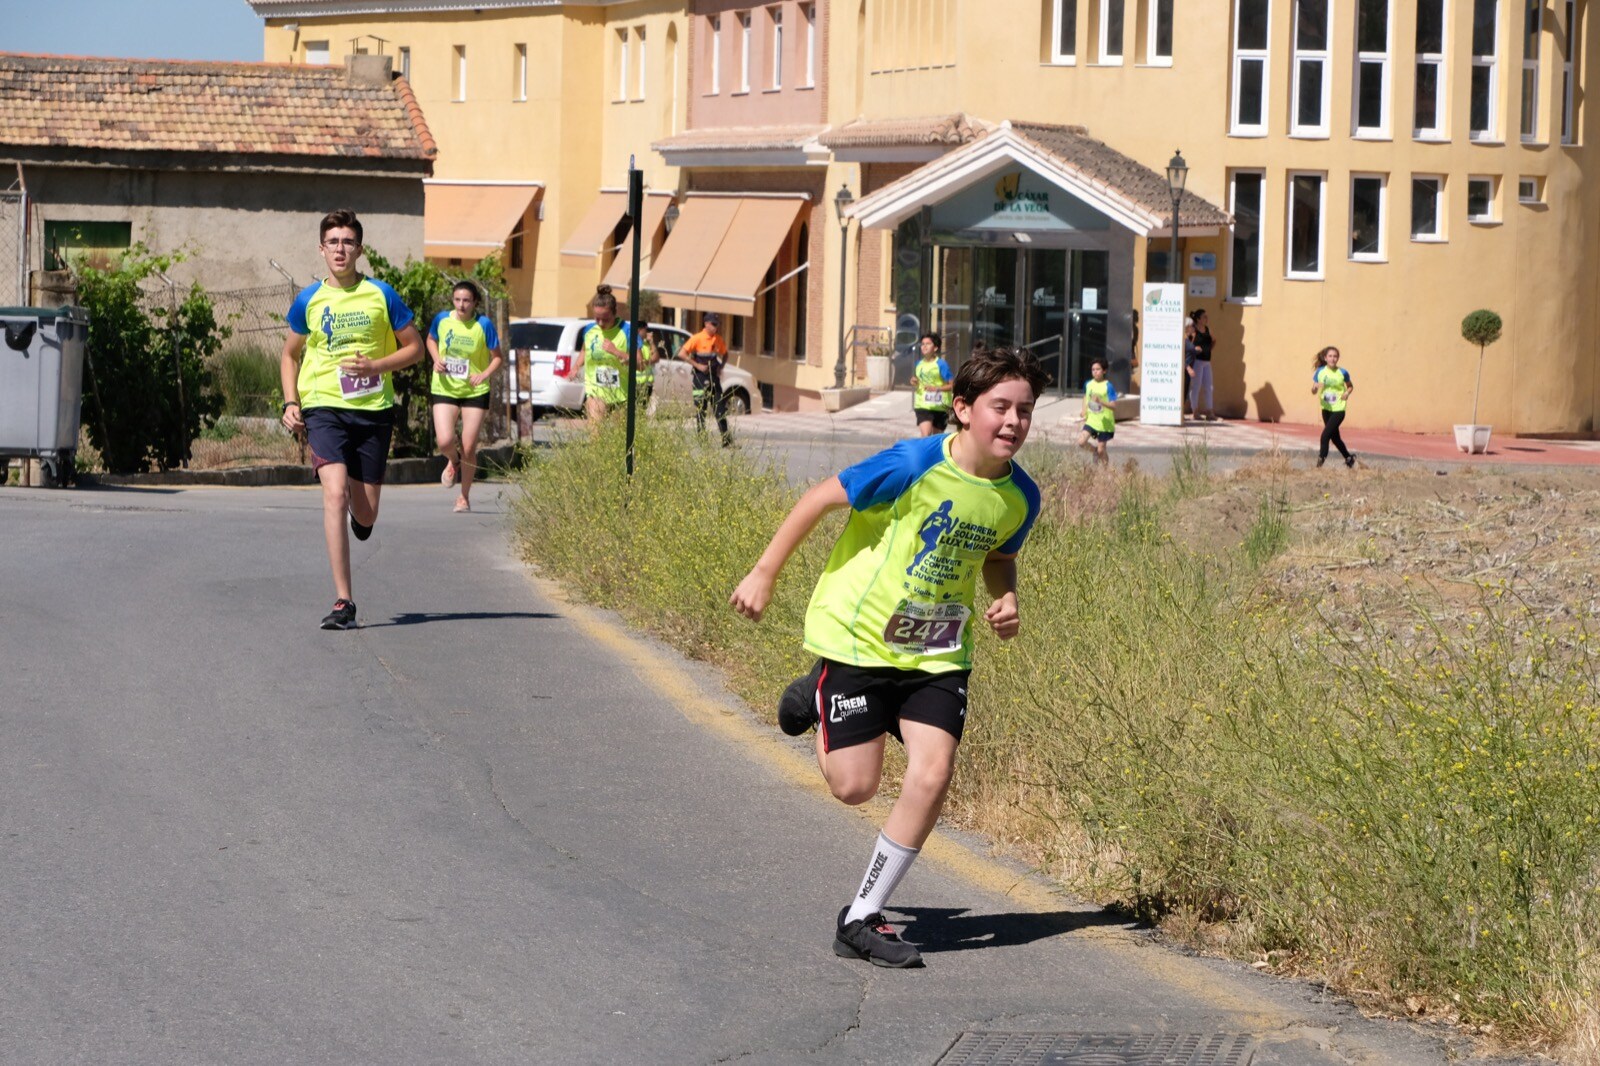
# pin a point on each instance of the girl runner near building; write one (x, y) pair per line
(933, 380)
(1332, 386)
(603, 356)
(1099, 419)
(891, 616)
(347, 334)
(466, 354)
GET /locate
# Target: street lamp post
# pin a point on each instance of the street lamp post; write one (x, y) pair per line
(842, 201)
(1177, 174)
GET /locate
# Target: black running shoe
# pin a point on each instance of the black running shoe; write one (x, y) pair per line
(362, 532)
(343, 615)
(797, 707)
(1350, 461)
(874, 939)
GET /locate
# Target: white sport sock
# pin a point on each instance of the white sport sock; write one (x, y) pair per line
(889, 864)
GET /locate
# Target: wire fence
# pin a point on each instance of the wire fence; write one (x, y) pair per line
(13, 248)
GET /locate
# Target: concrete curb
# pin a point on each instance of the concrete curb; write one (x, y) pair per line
(494, 458)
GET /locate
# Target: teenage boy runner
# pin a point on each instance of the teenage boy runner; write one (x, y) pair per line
(707, 352)
(890, 615)
(347, 334)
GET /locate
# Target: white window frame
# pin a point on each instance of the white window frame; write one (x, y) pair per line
(461, 73)
(318, 53)
(1569, 61)
(1528, 104)
(1440, 61)
(1240, 57)
(1492, 217)
(716, 54)
(744, 51)
(639, 46)
(776, 14)
(522, 74)
(1057, 56)
(1298, 58)
(1322, 228)
(622, 65)
(1386, 91)
(1152, 57)
(405, 62)
(1439, 202)
(808, 13)
(1382, 254)
(1104, 56)
(1261, 232)
(1532, 182)
(1490, 62)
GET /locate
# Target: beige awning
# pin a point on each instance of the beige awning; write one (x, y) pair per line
(720, 250)
(593, 234)
(470, 220)
(655, 212)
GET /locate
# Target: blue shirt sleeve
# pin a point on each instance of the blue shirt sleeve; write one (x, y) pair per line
(490, 337)
(1111, 392)
(296, 318)
(400, 315)
(944, 370)
(433, 327)
(1030, 492)
(1346, 374)
(884, 477)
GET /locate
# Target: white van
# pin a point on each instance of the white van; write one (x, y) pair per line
(541, 353)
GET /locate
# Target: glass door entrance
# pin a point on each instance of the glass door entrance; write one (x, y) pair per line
(1054, 302)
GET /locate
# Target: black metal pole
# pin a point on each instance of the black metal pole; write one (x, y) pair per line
(844, 263)
(636, 213)
(1172, 264)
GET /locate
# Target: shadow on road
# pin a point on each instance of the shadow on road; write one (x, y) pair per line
(417, 618)
(936, 929)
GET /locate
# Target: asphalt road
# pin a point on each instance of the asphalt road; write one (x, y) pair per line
(487, 827)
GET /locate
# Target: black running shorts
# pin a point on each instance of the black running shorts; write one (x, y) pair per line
(857, 704)
(482, 402)
(359, 440)
(940, 419)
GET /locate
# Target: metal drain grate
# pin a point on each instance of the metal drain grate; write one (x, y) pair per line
(1099, 1049)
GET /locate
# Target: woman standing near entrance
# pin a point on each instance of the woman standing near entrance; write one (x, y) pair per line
(1199, 345)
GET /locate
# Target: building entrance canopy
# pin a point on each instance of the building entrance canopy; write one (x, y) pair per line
(472, 219)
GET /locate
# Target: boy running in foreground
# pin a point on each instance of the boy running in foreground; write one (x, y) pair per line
(347, 334)
(890, 616)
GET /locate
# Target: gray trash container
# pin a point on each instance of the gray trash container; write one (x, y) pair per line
(41, 386)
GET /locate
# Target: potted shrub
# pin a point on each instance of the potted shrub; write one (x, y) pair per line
(1483, 329)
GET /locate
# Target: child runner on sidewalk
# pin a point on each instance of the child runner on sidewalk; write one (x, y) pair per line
(933, 380)
(466, 354)
(347, 335)
(890, 617)
(1332, 386)
(1099, 419)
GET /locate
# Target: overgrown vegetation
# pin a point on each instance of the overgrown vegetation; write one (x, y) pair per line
(1374, 783)
(249, 378)
(149, 389)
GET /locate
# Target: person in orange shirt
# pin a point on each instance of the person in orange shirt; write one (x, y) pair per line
(706, 352)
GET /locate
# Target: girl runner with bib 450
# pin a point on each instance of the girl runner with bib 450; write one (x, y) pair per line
(892, 615)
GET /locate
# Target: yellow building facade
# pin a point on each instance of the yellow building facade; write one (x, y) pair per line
(1364, 173)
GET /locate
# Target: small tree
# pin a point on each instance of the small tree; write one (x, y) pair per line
(151, 387)
(1483, 329)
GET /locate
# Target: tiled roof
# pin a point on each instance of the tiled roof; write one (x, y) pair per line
(250, 109)
(959, 128)
(1110, 169)
(740, 139)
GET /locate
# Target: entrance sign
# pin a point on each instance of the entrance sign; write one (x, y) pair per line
(1161, 356)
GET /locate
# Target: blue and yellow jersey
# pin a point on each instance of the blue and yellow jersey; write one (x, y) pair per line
(931, 376)
(1332, 385)
(1098, 396)
(465, 349)
(604, 375)
(341, 323)
(898, 589)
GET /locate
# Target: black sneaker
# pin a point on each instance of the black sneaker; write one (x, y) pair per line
(1321, 459)
(343, 615)
(1350, 461)
(362, 532)
(797, 707)
(874, 939)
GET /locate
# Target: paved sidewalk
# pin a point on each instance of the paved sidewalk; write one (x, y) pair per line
(888, 417)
